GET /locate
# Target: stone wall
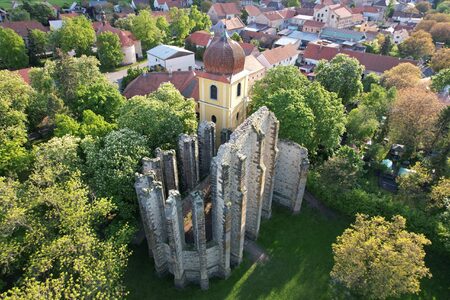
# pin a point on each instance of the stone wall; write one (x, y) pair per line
(249, 170)
(290, 175)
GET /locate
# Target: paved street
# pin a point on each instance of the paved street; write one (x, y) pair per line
(116, 77)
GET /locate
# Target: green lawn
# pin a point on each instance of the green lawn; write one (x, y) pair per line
(300, 261)
(6, 4)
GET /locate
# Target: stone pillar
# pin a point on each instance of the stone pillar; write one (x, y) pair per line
(169, 169)
(304, 166)
(175, 238)
(238, 209)
(188, 159)
(270, 155)
(153, 164)
(151, 204)
(225, 135)
(198, 224)
(206, 146)
(255, 182)
(224, 267)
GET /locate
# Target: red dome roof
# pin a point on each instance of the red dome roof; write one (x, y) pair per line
(224, 56)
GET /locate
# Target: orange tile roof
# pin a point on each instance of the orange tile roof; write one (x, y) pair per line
(126, 38)
(312, 23)
(185, 81)
(25, 74)
(252, 10)
(233, 23)
(223, 9)
(22, 27)
(372, 62)
(199, 38)
(276, 55)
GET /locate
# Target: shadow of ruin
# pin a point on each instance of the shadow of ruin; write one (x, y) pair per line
(202, 235)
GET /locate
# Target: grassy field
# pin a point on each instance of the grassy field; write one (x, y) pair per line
(6, 4)
(300, 261)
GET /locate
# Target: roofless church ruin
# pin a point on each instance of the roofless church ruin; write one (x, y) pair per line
(201, 235)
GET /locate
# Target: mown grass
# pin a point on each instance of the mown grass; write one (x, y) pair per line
(300, 262)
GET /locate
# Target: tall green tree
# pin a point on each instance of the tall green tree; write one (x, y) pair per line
(51, 231)
(418, 45)
(40, 11)
(377, 259)
(14, 98)
(38, 42)
(111, 163)
(109, 50)
(13, 54)
(441, 80)
(19, 14)
(341, 75)
(102, 97)
(77, 34)
(161, 117)
(181, 24)
(201, 20)
(144, 28)
(308, 114)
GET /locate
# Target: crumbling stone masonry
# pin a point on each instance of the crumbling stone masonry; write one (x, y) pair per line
(249, 171)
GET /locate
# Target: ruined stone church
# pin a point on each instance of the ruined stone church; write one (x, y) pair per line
(198, 206)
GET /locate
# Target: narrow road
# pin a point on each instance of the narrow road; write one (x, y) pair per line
(116, 77)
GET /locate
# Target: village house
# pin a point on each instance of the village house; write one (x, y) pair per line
(372, 63)
(265, 40)
(342, 36)
(312, 26)
(129, 44)
(252, 11)
(171, 58)
(405, 17)
(255, 69)
(280, 56)
(335, 15)
(199, 39)
(370, 13)
(232, 25)
(23, 28)
(219, 11)
(299, 20)
(368, 27)
(165, 5)
(278, 19)
(400, 35)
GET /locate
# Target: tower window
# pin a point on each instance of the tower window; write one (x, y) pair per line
(213, 118)
(237, 116)
(239, 89)
(213, 92)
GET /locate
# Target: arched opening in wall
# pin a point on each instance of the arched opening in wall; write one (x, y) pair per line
(237, 117)
(213, 92)
(197, 115)
(238, 89)
(213, 118)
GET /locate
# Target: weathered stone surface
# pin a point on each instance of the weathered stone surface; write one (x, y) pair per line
(249, 171)
(169, 169)
(188, 159)
(207, 146)
(290, 175)
(225, 135)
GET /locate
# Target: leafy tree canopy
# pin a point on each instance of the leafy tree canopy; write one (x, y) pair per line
(377, 259)
(308, 114)
(109, 50)
(13, 54)
(77, 34)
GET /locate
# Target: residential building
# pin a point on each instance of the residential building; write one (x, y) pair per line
(299, 20)
(335, 15)
(278, 19)
(373, 63)
(219, 11)
(370, 13)
(342, 36)
(400, 35)
(23, 28)
(232, 25)
(255, 69)
(130, 45)
(265, 40)
(252, 11)
(280, 56)
(165, 5)
(199, 39)
(368, 27)
(171, 58)
(313, 26)
(405, 17)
